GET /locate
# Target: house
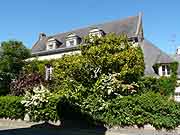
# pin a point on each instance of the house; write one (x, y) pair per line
(55, 46)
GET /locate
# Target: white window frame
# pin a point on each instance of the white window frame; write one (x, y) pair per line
(49, 70)
(71, 38)
(177, 94)
(95, 32)
(51, 44)
(164, 70)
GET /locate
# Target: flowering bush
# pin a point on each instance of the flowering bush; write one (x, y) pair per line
(37, 104)
(110, 85)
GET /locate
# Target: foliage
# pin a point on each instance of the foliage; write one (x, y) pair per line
(148, 108)
(106, 55)
(12, 59)
(11, 107)
(39, 104)
(167, 85)
(5, 79)
(35, 66)
(109, 86)
(25, 83)
(115, 54)
(13, 55)
(148, 83)
(164, 85)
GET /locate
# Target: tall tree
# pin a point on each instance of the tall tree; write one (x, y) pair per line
(12, 58)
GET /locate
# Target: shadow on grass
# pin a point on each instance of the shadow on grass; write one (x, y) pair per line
(73, 122)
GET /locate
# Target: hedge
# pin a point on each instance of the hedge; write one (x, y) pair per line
(11, 107)
(148, 108)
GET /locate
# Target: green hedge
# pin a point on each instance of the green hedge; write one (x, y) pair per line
(11, 107)
(148, 108)
(163, 85)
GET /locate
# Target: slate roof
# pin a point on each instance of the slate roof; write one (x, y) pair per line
(152, 56)
(128, 26)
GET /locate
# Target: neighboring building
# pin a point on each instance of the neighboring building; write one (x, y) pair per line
(52, 47)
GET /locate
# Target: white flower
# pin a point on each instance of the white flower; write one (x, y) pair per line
(38, 98)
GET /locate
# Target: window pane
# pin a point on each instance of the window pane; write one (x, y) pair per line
(71, 42)
(50, 46)
(163, 72)
(168, 69)
(163, 68)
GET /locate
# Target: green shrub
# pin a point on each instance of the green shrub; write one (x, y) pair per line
(39, 104)
(148, 108)
(163, 85)
(11, 107)
(106, 55)
(25, 83)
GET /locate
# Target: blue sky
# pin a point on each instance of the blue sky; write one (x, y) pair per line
(25, 19)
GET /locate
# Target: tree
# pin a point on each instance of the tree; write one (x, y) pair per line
(12, 59)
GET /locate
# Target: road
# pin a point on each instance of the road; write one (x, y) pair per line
(9, 127)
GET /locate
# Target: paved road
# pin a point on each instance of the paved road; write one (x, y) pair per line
(8, 127)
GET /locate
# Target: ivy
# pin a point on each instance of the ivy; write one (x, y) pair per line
(164, 85)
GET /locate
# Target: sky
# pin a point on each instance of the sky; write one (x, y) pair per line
(24, 19)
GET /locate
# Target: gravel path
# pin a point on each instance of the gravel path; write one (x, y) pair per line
(9, 127)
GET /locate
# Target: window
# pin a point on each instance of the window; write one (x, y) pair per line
(177, 94)
(51, 44)
(72, 39)
(71, 42)
(48, 75)
(164, 70)
(95, 32)
(168, 69)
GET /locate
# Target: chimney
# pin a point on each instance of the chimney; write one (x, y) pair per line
(42, 36)
(139, 30)
(178, 51)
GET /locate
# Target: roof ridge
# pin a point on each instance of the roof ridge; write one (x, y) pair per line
(91, 25)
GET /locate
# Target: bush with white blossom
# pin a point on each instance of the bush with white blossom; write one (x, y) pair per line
(37, 104)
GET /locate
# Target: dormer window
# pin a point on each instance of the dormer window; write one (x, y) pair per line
(95, 32)
(164, 70)
(51, 44)
(72, 40)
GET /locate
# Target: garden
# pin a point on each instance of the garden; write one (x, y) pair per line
(105, 84)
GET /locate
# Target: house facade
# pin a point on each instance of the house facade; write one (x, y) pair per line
(55, 46)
